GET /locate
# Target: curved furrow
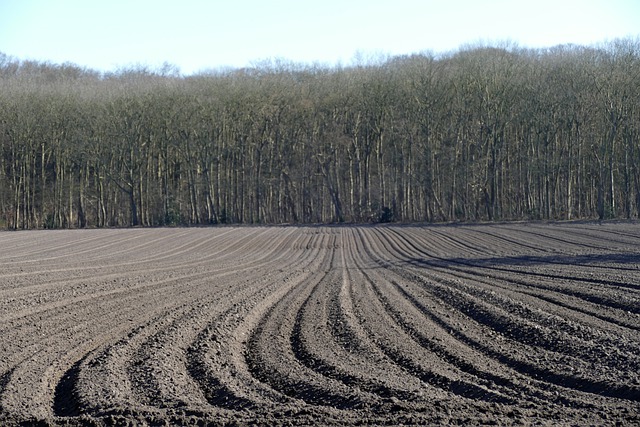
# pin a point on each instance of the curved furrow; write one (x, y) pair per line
(508, 283)
(75, 292)
(599, 230)
(38, 366)
(48, 322)
(328, 339)
(466, 242)
(427, 329)
(620, 257)
(140, 243)
(441, 243)
(216, 359)
(181, 341)
(274, 356)
(584, 371)
(83, 269)
(45, 294)
(570, 302)
(201, 247)
(102, 392)
(567, 319)
(108, 380)
(569, 369)
(39, 246)
(602, 291)
(616, 240)
(620, 229)
(137, 246)
(508, 243)
(615, 297)
(392, 333)
(169, 250)
(368, 325)
(528, 364)
(536, 321)
(232, 370)
(106, 244)
(58, 316)
(564, 237)
(600, 298)
(146, 373)
(508, 366)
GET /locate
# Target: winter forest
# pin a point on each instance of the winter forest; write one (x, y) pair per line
(480, 134)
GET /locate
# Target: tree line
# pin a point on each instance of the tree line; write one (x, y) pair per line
(482, 133)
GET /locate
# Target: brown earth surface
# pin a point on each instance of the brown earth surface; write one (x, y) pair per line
(506, 324)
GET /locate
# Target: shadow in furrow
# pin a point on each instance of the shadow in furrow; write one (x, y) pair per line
(537, 290)
(619, 391)
(65, 399)
(216, 393)
(458, 387)
(346, 336)
(297, 388)
(4, 379)
(543, 374)
(463, 265)
(533, 336)
(440, 350)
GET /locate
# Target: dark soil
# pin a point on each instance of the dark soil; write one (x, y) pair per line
(503, 324)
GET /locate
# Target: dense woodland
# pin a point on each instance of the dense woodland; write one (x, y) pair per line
(483, 133)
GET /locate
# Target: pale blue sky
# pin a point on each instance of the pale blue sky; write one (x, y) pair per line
(197, 35)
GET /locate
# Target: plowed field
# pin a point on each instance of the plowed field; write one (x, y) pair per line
(471, 324)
